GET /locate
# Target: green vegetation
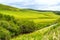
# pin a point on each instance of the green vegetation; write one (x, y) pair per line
(48, 33)
(4, 34)
(28, 24)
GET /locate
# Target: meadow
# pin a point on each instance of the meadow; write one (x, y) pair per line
(27, 24)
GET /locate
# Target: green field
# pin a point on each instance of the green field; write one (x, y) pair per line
(28, 24)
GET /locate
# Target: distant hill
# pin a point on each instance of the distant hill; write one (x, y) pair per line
(7, 7)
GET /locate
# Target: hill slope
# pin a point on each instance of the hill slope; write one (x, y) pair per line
(49, 33)
(17, 21)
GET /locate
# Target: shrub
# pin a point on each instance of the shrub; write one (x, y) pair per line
(1, 16)
(10, 26)
(4, 34)
(16, 26)
(8, 17)
(14, 29)
(27, 26)
(21, 27)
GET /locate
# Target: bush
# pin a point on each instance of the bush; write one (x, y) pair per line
(4, 34)
(26, 26)
(1, 16)
(21, 27)
(14, 29)
(8, 17)
(16, 26)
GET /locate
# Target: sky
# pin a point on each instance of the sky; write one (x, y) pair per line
(34, 4)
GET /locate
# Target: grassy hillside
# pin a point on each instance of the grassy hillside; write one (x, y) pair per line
(49, 33)
(27, 24)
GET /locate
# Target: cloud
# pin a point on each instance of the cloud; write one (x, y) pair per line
(10, 1)
(34, 4)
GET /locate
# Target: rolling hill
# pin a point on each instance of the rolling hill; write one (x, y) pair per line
(28, 24)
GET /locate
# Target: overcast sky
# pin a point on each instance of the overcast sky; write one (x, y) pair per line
(34, 4)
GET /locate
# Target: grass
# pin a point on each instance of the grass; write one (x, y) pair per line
(43, 34)
(12, 18)
(35, 16)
